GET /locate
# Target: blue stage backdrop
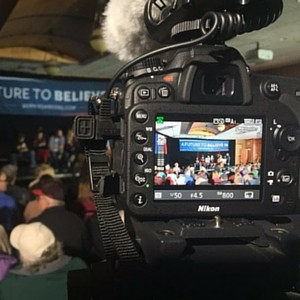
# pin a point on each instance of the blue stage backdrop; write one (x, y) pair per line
(203, 145)
(43, 96)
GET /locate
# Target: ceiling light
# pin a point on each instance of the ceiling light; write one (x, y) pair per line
(97, 42)
(259, 55)
(52, 67)
(96, 39)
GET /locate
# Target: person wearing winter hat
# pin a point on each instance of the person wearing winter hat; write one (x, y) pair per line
(43, 269)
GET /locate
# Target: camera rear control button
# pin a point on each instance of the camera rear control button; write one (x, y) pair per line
(164, 92)
(144, 93)
(275, 198)
(285, 178)
(288, 138)
(140, 137)
(141, 116)
(271, 89)
(139, 179)
(140, 158)
(139, 199)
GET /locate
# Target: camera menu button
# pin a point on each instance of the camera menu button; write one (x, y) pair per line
(141, 116)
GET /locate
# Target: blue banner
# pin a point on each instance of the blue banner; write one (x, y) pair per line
(30, 96)
(203, 145)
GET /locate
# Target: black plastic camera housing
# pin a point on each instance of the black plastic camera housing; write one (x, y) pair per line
(205, 98)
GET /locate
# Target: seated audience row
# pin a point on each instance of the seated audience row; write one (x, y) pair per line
(48, 200)
(59, 151)
(52, 235)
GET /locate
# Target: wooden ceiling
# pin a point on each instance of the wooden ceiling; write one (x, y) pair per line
(33, 32)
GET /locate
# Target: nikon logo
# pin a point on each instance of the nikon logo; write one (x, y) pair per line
(207, 208)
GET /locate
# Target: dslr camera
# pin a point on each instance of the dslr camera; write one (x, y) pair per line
(204, 153)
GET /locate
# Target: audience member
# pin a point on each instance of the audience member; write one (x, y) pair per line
(176, 169)
(171, 178)
(41, 170)
(4, 243)
(215, 177)
(79, 163)
(6, 259)
(40, 147)
(32, 209)
(189, 180)
(197, 165)
(71, 148)
(84, 206)
(22, 153)
(56, 148)
(8, 206)
(19, 193)
(66, 226)
(201, 177)
(43, 269)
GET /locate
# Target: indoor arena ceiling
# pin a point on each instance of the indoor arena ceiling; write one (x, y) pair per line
(37, 33)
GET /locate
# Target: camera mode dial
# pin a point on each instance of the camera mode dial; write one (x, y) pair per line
(149, 65)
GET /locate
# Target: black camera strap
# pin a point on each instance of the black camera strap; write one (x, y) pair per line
(116, 240)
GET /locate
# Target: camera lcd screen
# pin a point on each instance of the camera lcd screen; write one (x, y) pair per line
(207, 157)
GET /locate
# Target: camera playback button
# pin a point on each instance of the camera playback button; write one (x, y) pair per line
(144, 93)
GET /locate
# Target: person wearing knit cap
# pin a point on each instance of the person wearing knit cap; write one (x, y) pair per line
(43, 269)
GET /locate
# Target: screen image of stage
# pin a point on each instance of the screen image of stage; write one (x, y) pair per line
(208, 153)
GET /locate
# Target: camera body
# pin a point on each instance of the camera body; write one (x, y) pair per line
(201, 101)
(204, 159)
(205, 102)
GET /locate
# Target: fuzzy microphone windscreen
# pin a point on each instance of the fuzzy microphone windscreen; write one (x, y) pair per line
(124, 30)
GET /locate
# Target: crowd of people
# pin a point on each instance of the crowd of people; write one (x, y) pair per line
(59, 150)
(209, 171)
(44, 233)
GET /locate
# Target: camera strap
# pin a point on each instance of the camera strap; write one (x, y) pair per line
(116, 240)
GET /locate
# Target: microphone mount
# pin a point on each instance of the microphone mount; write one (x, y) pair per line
(170, 22)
